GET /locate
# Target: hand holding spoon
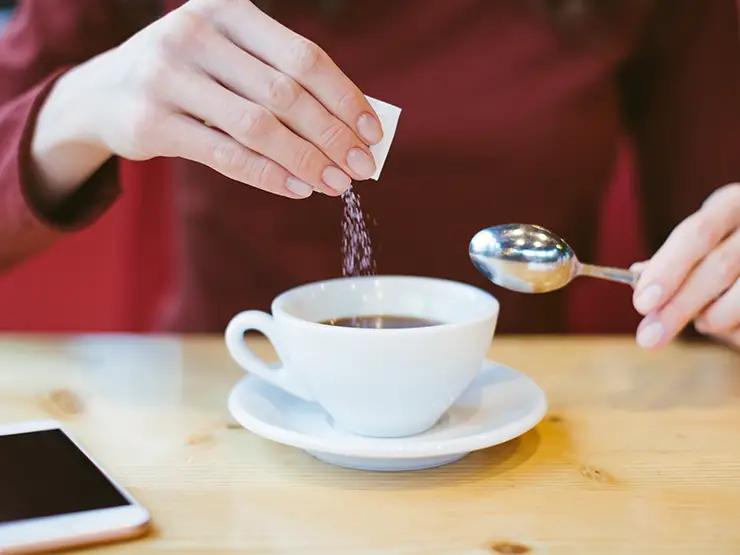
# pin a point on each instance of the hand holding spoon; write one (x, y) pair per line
(530, 259)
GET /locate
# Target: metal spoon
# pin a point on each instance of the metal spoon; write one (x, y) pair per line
(530, 259)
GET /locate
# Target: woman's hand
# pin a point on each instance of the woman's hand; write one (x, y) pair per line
(695, 276)
(220, 83)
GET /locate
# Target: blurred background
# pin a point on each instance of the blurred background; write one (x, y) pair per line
(6, 10)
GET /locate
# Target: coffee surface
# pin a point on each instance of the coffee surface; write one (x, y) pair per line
(381, 322)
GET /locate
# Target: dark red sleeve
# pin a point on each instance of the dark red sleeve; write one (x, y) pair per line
(686, 95)
(44, 39)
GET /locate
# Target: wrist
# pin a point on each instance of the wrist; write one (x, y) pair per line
(66, 148)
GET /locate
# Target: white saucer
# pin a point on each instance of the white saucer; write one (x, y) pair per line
(499, 405)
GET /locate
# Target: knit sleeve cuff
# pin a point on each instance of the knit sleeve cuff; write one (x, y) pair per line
(81, 208)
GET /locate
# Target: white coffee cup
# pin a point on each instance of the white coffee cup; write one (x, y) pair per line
(373, 382)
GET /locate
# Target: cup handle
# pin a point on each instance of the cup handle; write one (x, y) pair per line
(276, 374)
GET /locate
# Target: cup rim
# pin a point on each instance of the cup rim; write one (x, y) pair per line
(276, 305)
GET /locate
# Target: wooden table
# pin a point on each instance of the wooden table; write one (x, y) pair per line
(639, 454)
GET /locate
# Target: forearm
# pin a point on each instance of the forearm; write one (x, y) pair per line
(53, 176)
(27, 224)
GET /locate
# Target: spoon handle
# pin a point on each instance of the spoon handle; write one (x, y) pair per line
(611, 274)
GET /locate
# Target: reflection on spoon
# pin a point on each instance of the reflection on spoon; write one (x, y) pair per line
(531, 259)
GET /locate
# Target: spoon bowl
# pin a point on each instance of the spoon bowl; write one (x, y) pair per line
(531, 259)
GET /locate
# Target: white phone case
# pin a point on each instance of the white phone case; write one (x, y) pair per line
(76, 529)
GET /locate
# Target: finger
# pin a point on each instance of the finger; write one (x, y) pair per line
(727, 193)
(731, 338)
(683, 250)
(289, 101)
(637, 268)
(304, 61)
(258, 129)
(189, 139)
(723, 315)
(716, 273)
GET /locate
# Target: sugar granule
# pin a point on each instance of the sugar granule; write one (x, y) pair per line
(357, 248)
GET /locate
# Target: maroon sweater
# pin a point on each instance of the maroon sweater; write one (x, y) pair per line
(505, 119)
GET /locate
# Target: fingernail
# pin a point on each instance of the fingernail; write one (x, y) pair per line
(369, 128)
(648, 299)
(336, 179)
(360, 163)
(650, 335)
(298, 187)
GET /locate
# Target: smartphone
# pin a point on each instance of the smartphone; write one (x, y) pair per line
(53, 495)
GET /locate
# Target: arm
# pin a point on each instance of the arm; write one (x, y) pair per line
(687, 89)
(215, 81)
(44, 39)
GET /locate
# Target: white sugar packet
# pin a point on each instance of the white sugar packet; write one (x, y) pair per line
(388, 115)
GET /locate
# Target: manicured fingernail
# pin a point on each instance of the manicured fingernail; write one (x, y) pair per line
(369, 129)
(298, 187)
(336, 179)
(648, 299)
(361, 163)
(650, 335)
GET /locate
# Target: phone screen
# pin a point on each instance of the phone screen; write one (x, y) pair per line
(43, 473)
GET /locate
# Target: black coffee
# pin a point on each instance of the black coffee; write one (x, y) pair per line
(381, 322)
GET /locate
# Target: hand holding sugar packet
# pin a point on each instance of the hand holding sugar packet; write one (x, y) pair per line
(389, 116)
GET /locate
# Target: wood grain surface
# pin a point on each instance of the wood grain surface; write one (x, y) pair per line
(639, 454)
